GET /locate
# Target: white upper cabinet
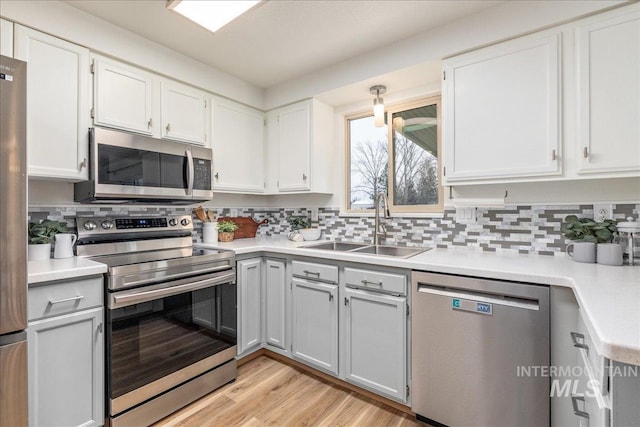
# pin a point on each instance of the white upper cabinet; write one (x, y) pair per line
(123, 97)
(502, 110)
(184, 112)
(237, 139)
(300, 143)
(134, 100)
(58, 112)
(6, 38)
(608, 71)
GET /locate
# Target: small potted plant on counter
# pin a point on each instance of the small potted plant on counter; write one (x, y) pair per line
(588, 230)
(302, 225)
(226, 230)
(40, 237)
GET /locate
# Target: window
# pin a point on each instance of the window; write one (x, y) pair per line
(401, 160)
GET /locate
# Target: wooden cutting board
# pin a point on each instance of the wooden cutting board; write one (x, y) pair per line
(247, 226)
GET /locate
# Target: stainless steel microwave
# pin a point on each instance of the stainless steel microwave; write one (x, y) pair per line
(125, 167)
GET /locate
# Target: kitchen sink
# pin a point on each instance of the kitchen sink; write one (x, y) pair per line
(394, 251)
(336, 246)
(383, 250)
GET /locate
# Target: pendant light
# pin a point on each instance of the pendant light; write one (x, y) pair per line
(378, 104)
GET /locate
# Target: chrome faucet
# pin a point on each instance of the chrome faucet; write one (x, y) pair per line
(380, 230)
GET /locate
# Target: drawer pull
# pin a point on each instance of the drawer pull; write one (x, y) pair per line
(369, 283)
(576, 410)
(574, 338)
(59, 301)
(311, 273)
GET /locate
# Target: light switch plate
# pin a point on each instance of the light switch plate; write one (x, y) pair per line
(466, 215)
(602, 211)
(234, 212)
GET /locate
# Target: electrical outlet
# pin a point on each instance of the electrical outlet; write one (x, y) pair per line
(234, 212)
(602, 212)
(314, 214)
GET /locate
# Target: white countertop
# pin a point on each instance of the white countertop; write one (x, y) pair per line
(62, 269)
(609, 296)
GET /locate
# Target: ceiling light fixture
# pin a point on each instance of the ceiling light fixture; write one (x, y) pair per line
(209, 14)
(378, 104)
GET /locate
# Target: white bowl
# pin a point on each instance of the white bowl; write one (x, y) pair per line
(310, 233)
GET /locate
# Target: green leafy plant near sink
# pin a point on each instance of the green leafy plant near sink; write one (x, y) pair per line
(298, 222)
(588, 230)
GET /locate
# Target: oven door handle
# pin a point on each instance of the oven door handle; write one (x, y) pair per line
(123, 299)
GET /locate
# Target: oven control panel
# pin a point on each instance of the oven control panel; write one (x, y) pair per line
(92, 226)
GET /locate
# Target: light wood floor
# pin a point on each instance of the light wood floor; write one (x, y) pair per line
(268, 392)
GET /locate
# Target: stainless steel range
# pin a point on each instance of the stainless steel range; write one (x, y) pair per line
(171, 314)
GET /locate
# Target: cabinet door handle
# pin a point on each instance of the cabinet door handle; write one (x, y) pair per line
(346, 301)
(585, 153)
(576, 410)
(311, 273)
(574, 337)
(168, 127)
(369, 283)
(554, 156)
(100, 328)
(330, 297)
(216, 176)
(304, 176)
(83, 164)
(150, 123)
(59, 301)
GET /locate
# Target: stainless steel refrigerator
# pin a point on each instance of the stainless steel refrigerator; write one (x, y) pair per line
(13, 243)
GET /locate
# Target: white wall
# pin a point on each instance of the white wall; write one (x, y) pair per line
(66, 22)
(502, 22)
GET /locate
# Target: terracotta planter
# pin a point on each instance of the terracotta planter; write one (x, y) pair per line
(225, 236)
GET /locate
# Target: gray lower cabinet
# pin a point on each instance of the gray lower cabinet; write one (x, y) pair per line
(275, 300)
(249, 307)
(66, 354)
(315, 324)
(375, 337)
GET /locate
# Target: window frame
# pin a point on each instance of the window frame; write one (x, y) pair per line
(397, 210)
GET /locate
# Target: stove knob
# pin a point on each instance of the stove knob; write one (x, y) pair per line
(184, 222)
(173, 222)
(89, 225)
(107, 225)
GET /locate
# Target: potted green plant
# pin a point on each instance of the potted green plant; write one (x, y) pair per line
(226, 230)
(588, 230)
(302, 225)
(40, 236)
(298, 222)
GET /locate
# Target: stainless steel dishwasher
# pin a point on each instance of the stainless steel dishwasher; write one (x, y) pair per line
(472, 342)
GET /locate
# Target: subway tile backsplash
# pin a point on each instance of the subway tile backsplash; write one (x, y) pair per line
(514, 229)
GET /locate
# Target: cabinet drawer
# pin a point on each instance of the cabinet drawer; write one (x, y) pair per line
(376, 280)
(313, 271)
(596, 362)
(60, 298)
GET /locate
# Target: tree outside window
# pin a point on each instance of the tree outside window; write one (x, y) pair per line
(412, 168)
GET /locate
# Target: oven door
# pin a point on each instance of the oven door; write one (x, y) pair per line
(163, 335)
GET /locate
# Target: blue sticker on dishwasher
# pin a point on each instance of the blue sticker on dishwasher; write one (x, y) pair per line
(483, 308)
(455, 303)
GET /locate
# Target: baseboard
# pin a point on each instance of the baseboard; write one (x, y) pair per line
(328, 378)
(249, 357)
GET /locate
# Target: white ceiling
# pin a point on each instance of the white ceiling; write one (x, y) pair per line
(282, 40)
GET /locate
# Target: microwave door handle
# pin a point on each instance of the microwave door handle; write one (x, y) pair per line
(190, 173)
